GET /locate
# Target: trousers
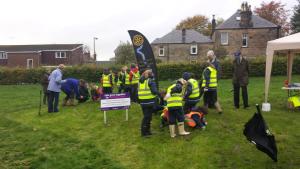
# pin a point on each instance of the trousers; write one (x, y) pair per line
(236, 91)
(53, 101)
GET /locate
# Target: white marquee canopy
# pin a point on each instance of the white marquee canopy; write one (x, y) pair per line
(290, 45)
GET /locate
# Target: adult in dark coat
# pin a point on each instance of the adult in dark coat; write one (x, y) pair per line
(240, 79)
(147, 93)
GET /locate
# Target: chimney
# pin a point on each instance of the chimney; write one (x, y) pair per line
(213, 26)
(183, 34)
(245, 15)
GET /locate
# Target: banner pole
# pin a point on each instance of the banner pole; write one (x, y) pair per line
(104, 117)
(126, 114)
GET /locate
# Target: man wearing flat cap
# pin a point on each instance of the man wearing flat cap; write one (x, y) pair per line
(240, 79)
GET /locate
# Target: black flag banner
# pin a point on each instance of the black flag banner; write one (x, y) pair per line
(258, 133)
(143, 53)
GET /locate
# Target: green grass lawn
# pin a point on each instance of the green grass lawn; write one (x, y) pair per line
(77, 138)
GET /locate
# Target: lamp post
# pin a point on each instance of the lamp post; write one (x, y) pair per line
(95, 55)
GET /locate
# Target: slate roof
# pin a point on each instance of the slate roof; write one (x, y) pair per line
(258, 22)
(175, 36)
(35, 48)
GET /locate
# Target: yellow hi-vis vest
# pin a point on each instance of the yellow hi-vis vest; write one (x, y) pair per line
(135, 78)
(176, 98)
(127, 82)
(144, 91)
(121, 74)
(213, 78)
(106, 80)
(295, 100)
(195, 89)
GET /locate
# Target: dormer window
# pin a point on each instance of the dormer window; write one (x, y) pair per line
(60, 55)
(3, 55)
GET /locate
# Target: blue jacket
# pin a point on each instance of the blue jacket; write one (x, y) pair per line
(70, 86)
(55, 80)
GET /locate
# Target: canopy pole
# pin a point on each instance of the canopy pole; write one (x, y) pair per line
(269, 60)
(290, 66)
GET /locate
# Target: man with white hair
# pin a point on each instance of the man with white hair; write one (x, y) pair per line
(213, 59)
(54, 88)
(210, 82)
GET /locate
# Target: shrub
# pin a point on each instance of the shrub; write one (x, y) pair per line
(172, 71)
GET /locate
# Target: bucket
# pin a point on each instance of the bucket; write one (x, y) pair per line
(266, 107)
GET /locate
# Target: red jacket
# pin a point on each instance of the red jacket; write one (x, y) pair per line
(132, 71)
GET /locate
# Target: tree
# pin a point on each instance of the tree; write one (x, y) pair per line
(124, 53)
(276, 13)
(199, 23)
(295, 20)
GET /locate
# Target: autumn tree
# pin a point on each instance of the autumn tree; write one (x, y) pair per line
(199, 23)
(274, 12)
(124, 53)
(295, 20)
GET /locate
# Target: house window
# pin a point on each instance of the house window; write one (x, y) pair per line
(194, 50)
(245, 40)
(161, 51)
(3, 55)
(224, 38)
(29, 63)
(60, 55)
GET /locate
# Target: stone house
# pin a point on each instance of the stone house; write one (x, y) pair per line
(246, 32)
(181, 46)
(31, 56)
(242, 31)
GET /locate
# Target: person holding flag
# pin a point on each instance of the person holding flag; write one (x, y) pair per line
(174, 98)
(147, 93)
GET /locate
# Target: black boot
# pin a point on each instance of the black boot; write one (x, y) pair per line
(145, 131)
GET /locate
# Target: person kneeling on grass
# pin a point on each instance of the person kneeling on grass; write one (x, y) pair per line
(83, 92)
(174, 98)
(95, 92)
(196, 119)
(70, 88)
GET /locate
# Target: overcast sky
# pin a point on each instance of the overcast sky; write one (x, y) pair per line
(78, 21)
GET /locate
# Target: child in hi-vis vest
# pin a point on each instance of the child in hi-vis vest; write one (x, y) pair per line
(196, 119)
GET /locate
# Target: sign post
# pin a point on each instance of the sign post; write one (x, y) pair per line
(116, 101)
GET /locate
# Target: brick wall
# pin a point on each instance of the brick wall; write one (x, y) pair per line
(3, 62)
(49, 59)
(20, 59)
(181, 52)
(257, 40)
(77, 56)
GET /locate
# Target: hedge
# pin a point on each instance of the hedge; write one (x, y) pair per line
(166, 71)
